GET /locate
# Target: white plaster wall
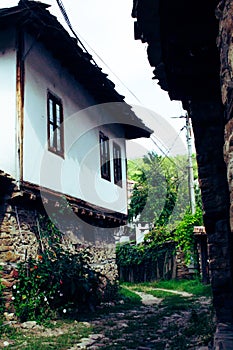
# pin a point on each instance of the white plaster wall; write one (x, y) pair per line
(78, 174)
(8, 102)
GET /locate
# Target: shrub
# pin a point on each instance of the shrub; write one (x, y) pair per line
(46, 286)
(144, 262)
(184, 233)
(57, 282)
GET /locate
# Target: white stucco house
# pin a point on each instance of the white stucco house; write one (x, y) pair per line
(63, 124)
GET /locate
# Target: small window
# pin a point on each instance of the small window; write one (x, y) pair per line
(117, 164)
(104, 156)
(55, 125)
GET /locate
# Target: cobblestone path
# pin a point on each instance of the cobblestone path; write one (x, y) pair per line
(150, 326)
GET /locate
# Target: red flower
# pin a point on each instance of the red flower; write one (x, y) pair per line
(35, 267)
(15, 274)
(61, 282)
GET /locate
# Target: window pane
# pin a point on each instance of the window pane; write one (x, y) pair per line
(117, 164)
(102, 147)
(104, 157)
(58, 133)
(51, 110)
(51, 136)
(58, 115)
(55, 125)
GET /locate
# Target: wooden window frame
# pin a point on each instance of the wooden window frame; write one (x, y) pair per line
(104, 156)
(117, 164)
(55, 122)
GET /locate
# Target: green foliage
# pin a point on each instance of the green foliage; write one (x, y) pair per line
(143, 262)
(158, 235)
(128, 254)
(194, 286)
(57, 282)
(150, 190)
(64, 334)
(161, 192)
(160, 196)
(128, 296)
(183, 234)
(134, 169)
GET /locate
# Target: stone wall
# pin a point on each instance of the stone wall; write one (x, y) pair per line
(225, 15)
(182, 270)
(20, 238)
(17, 241)
(208, 126)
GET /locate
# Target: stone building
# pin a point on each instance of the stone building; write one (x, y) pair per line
(190, 47)
(62, 139)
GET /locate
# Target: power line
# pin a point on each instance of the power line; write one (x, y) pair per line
(67, 20)
(173, 144)
(165, 154)
(190, 162)
(64, 13)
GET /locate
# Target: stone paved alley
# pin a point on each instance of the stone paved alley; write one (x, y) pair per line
(148, 327)
(151, 324)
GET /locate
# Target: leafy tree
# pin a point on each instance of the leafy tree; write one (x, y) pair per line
(160, 188)
(161, 197)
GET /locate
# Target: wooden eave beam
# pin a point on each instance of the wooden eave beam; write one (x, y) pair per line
(31, 193)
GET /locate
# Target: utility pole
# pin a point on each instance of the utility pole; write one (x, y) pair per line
(190, 165)
(190, 162)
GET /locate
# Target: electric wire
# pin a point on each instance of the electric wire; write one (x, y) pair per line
(64, 13)
(166, 155)
(67, 20)
(174, 142)
(153, 137)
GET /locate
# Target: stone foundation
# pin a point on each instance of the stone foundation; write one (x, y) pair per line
(20, 238)
(223, 339)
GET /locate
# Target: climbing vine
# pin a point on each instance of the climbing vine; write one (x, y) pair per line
(183, 234)
(140, 263)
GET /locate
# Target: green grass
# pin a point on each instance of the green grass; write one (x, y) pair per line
(201, 324)
(190, 286)
(34, 340)
(141, 327)
(129, 296)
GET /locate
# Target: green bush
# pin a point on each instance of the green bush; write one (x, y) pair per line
(144, 262)
(183, 234)
(56, 283)
(129, 254)
(46, 286)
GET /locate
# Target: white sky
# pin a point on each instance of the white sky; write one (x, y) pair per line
(106, 26)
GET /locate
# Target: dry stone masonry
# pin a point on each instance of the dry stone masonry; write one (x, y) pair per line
(20, 239)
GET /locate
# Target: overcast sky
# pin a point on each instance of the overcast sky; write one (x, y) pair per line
(106, 26)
